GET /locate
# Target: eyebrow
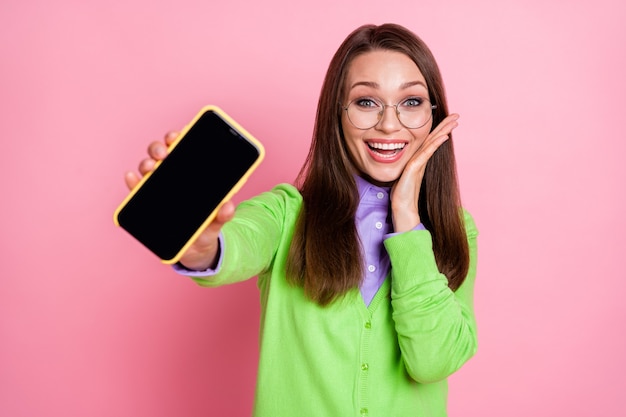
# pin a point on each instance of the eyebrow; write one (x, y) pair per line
(375, 85)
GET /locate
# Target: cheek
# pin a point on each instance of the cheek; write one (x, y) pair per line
(346, 127)
(420, 135)
(350, 137)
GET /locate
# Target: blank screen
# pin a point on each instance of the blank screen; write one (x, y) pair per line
(189, 184)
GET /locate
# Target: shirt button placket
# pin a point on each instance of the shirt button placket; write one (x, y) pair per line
(364, 384)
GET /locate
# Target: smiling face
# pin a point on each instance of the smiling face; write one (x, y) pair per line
(381, 152)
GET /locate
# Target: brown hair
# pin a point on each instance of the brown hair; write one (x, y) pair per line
(325, 256)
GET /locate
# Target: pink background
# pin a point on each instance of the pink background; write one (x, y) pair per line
(91, 324)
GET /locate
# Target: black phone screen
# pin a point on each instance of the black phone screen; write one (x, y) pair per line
(188, 185)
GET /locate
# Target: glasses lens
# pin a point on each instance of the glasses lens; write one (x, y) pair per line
(364, 113)
(413, 112)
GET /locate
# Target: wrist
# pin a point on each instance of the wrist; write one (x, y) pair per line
(201, 260)
(405, 221)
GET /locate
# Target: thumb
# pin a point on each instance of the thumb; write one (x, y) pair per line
(225, 213)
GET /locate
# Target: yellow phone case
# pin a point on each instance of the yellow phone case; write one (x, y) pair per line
(233, 190)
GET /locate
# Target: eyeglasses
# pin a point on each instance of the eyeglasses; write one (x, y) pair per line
(413, 112)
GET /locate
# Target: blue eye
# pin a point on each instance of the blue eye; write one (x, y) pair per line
(413, 102)
(367, 103)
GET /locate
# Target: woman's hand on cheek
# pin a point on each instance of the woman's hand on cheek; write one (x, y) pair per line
(405, 192)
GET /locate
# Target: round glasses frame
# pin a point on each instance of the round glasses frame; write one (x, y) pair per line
(382, 111)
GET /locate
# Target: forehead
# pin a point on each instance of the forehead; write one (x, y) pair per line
(386, 67)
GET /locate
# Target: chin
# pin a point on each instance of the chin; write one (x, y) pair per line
(382, 180)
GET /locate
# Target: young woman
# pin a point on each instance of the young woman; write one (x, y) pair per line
(366, 268)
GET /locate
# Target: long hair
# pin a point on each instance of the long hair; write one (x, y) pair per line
(325, 257)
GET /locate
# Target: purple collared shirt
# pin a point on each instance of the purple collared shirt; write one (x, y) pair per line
(373, 223)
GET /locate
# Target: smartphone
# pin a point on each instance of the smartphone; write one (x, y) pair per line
(207, 164)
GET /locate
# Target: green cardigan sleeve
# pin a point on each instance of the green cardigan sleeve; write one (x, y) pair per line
(436, 326)
(251, 239)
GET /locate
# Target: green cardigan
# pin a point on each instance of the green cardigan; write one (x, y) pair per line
(389, 359)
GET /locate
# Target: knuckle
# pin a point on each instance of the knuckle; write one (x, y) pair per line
(146, 165)
(153, 148)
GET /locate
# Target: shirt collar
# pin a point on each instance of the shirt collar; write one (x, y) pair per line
(364, 186)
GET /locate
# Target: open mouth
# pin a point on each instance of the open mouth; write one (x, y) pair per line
(387, 149)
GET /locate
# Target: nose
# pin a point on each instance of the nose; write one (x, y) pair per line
(389, 121)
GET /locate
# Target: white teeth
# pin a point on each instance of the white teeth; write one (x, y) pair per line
(386, 146)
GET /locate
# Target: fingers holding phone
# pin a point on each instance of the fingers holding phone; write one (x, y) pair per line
(181, 197)
(202, 253)
(157, 151)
